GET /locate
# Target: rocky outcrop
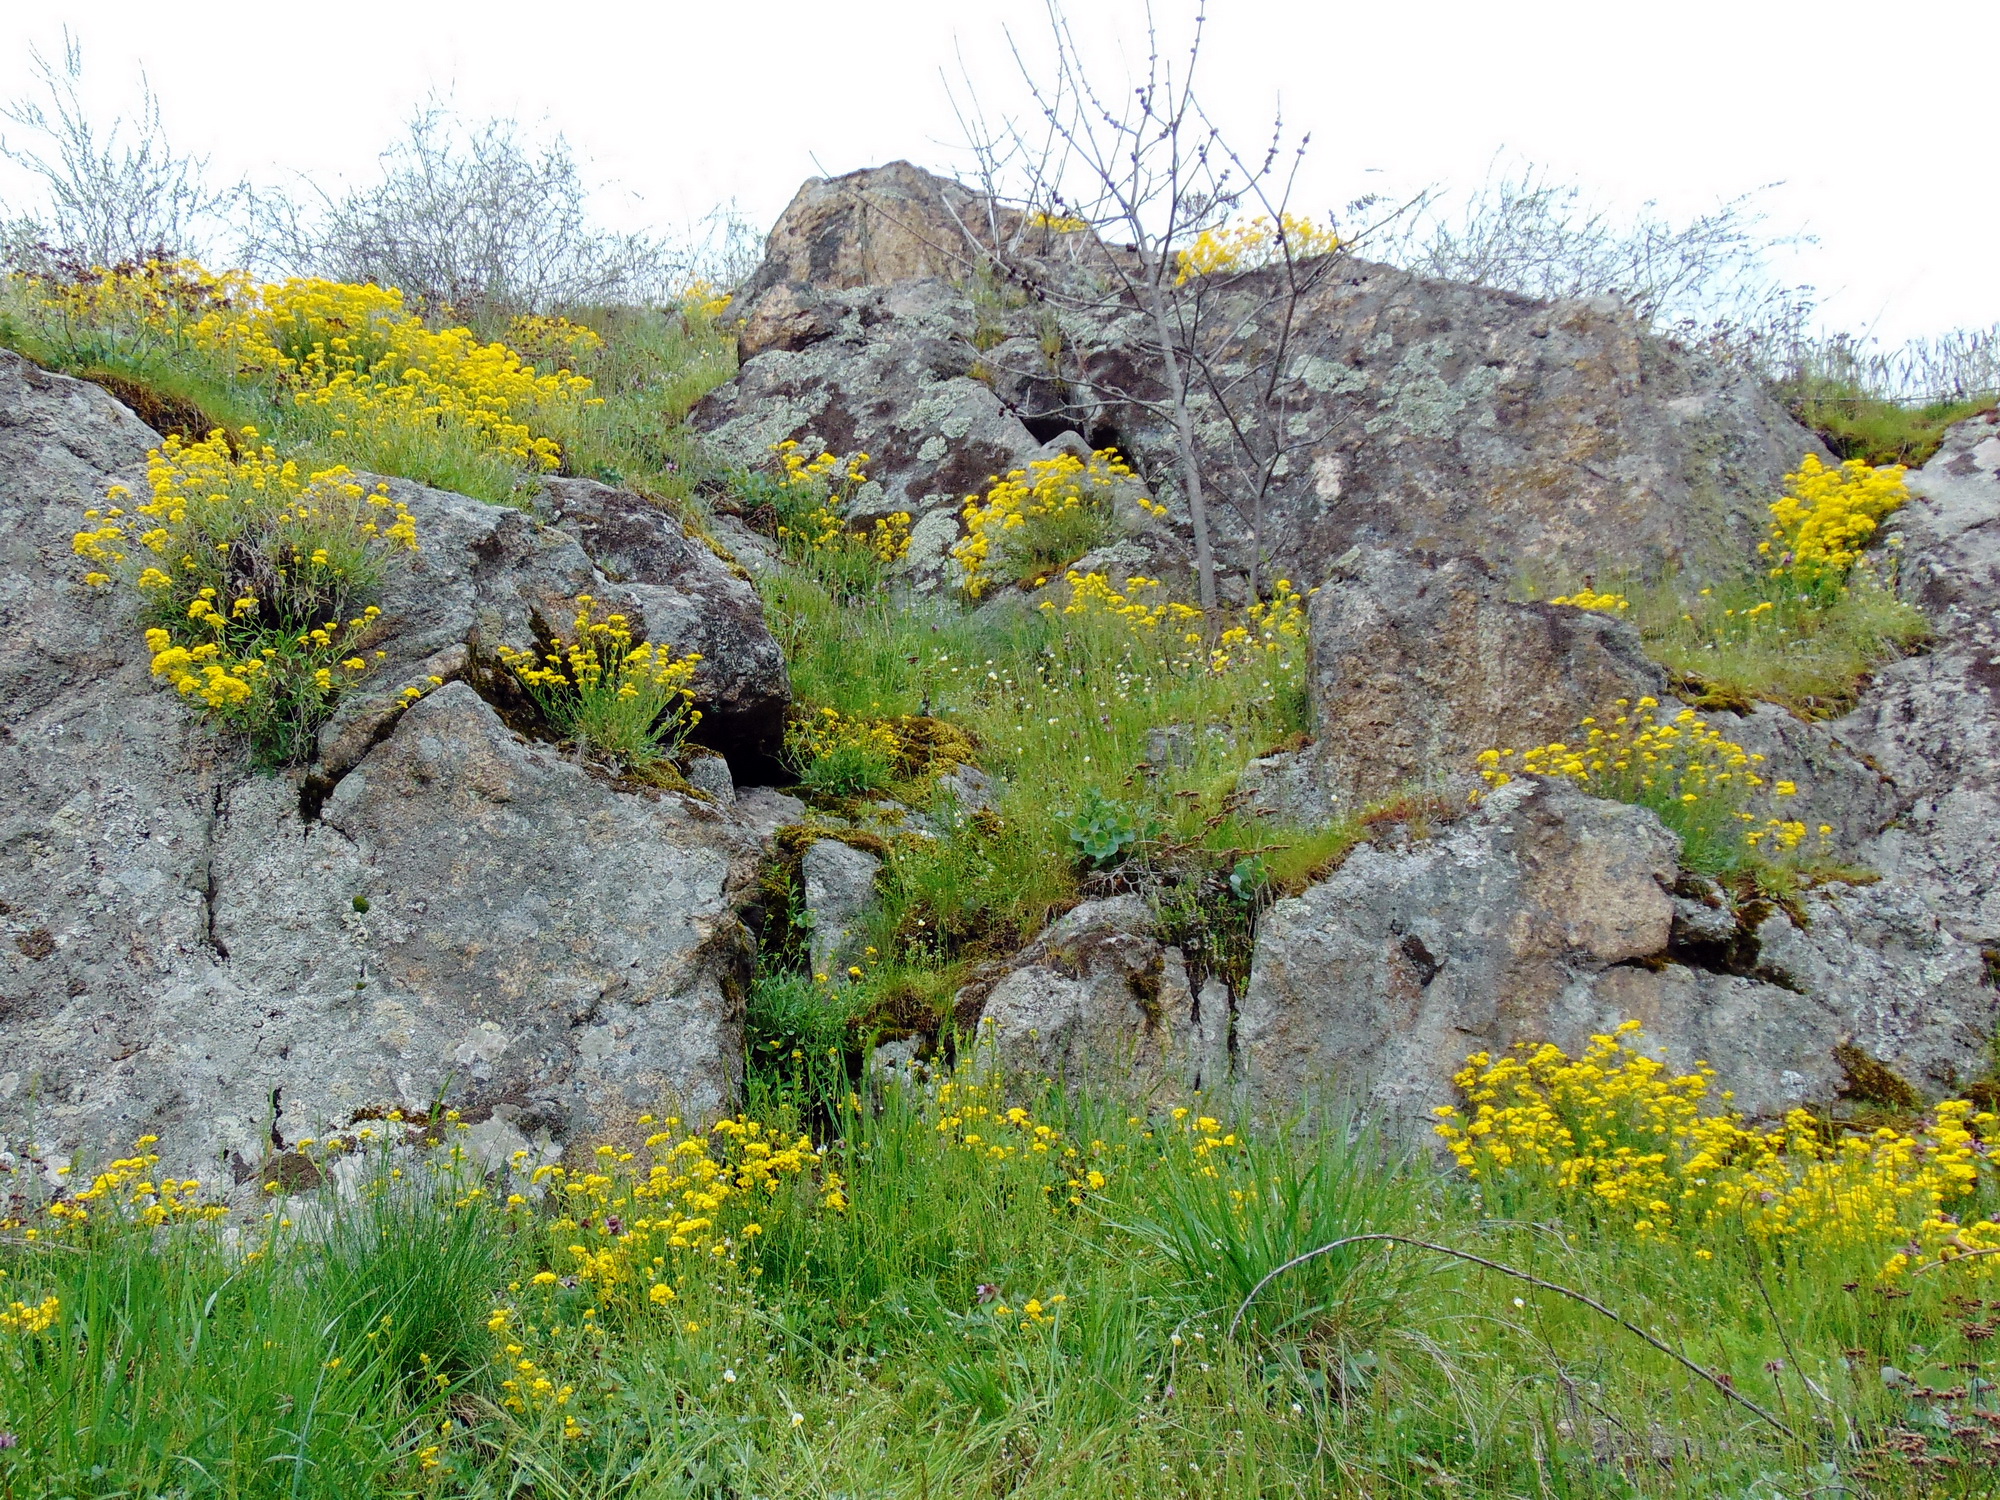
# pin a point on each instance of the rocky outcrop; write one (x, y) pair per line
(438, 910)
(1931, 723)
(1417, 663)
(1549, 915)
(1561, 436)
(867, 229)
(490, 576)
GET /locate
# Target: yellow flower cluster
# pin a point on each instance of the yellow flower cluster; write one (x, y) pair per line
(969, 1113)
(1273, 626)
(1044, 495)
(1252, 243)
(1820, 527)
(354, 354)
(1139, 607)
(829, 731)
(1588, 598)
(553, 340)
(813, 522)
(1698, 780)
(252, 576)
(1060, 223)
(633, 702)
(703, 299)
(1637, 1143)
(30, 1318)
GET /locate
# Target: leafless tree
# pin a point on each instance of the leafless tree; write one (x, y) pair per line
(472, 218)
(114, 193)
(1146, 172)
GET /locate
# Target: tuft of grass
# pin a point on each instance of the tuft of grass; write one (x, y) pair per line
(1810, 657)
(1857, 422)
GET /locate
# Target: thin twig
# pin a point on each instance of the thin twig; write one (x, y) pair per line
(18, 1243)
(1962, 1255)
(1594, 1305)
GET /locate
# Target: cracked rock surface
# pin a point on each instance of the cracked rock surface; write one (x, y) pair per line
(1547, 915)
(438, 910)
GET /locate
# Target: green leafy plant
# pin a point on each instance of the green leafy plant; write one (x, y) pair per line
(1102, 830)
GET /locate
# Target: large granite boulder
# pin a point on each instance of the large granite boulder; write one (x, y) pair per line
(437, 910)
(1931, 723)
(1549, 915)
(1560, 437)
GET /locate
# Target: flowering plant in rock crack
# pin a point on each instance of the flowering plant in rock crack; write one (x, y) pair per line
(256, 582)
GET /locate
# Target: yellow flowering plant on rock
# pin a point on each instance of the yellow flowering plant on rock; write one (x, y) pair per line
(1634, 1144)
(1820, 528)
(256, 582)
(352, 363)
(631, 702)
(1705, 787)
(1589, 598)
(1803, 628)
(811, 498)
(1252, 243)
(1034, 521)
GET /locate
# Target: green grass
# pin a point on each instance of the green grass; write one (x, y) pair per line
(1809, 657)
(864, 1352)
(1856, 422)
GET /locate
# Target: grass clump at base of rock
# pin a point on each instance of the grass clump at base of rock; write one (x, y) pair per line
(971, 1284)
(1807, 626)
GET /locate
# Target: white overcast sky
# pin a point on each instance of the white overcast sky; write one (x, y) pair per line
(1882, 122)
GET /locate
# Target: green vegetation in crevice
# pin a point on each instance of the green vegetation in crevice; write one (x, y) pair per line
(1856, 422)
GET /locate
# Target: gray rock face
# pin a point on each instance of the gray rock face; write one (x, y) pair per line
(1931, 723)
(1546, 916)
(439, 910)
(1559, 436)
(1417, 663)
(840, 887)
(1097, 996)
(489, 576)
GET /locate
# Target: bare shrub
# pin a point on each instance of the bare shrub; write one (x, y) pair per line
(1521, 231)
(113, 193)
(472, 218)
(1127, 186)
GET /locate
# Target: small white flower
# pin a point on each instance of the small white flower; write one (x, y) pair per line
(730, 1376)
(798, 1419)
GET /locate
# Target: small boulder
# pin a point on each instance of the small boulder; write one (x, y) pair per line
(1098, 996)
(839, 890)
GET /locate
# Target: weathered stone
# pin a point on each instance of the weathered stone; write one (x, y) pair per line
(1096, 996)
(1559, 436)
(932, 433)
(441, 910)
(488, 576)
(840, 888)
(1416, 664)
(867, 228)
(1931, 723)
(1546, 916)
